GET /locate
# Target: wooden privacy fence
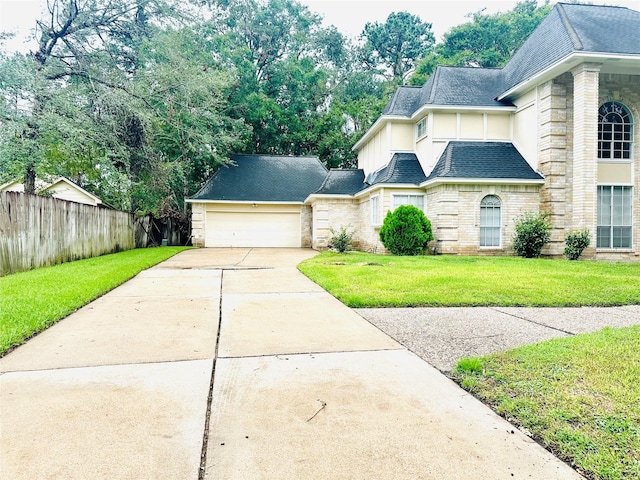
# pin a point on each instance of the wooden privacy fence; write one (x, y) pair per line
(36, 231)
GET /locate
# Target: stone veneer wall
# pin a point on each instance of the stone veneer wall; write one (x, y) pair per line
(198, 218)
(306, 221)
(454, 212)
(567, 152)
(368, 235)
(555, 118)
(334, 213)
(585, 141)
(625, 89)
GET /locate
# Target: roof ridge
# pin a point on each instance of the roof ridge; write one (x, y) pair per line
(448, 158)
(391, 167)
(434, 85)
(573, 35)
(324, 182)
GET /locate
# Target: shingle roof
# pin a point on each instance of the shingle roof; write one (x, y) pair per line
(500, 160)
(568, 28)
(402, 168)
(464, 86)
(342, 182)
(403, 102)
(264, 178)
(573, 28)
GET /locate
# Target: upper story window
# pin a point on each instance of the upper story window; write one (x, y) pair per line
(615, 131)
(415, 200)
(421, 128)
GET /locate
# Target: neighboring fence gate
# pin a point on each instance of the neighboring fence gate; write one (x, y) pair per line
(36, 231)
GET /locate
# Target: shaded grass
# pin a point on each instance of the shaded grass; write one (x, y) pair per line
(34, 300)
(368, 280)
(579, 396)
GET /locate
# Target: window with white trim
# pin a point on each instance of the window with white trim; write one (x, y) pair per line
(421, 128)
(415, 200)
(615, 132)
(375, 209)
(615, 218)
(490, 223)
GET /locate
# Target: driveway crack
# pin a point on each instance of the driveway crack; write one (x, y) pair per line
(205, 435)
(533, 321)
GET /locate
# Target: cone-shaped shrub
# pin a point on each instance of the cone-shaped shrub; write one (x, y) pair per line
(406, 231)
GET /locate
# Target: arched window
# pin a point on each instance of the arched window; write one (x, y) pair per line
(615, 131)
(490, 230)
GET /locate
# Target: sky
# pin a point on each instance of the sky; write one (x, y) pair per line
(349, 16)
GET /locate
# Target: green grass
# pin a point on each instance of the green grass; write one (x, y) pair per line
(32, 301)
(368, 280)
(579, 396)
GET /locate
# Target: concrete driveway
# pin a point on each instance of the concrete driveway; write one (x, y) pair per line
(301, 387)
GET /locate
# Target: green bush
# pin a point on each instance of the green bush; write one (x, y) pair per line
(576, 242)
(532, 233)
(406, 231)
(340, 240)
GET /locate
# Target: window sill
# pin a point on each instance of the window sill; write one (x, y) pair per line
(615, 160)
(615, 250)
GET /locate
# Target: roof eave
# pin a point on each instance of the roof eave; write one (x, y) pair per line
(482, 181)
(564, 65)
(319, 196)
(73, 185)
(461, 108)
(379, 186)
(246, 202)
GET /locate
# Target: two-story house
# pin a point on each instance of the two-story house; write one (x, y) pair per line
(474, 148)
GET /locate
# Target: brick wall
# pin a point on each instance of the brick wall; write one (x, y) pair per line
(624, 89)
(454, 212)
(306, 226)
(198, 218)
(554, 156)
(333, 214)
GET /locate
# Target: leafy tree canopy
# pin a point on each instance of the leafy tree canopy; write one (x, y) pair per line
(398, 43)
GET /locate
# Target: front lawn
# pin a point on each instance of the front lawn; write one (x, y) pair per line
(34, 300)
(363, 280)
(579, 396)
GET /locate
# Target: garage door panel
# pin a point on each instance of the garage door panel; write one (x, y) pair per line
(252, 229)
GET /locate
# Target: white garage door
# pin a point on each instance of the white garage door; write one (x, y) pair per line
(253, 227)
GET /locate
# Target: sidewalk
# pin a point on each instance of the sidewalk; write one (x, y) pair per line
(303, 388)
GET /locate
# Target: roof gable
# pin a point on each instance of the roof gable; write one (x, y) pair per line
(567, 29)
(482, 160)
(574, 28)
(264, 178)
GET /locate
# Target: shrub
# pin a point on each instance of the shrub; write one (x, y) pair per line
(406, 231)
(341, 240)
(532, 233)
(576, 242)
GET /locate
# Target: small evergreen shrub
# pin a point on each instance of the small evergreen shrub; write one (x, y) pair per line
(406, 231)
(532, 233)
(576, 242)
(341, 240)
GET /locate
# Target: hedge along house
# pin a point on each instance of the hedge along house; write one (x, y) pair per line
(552, 131)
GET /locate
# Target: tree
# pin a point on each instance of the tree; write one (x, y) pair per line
(491, 40)
(289, 69)
(397, 44)
(186, 108)
(406, 231)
